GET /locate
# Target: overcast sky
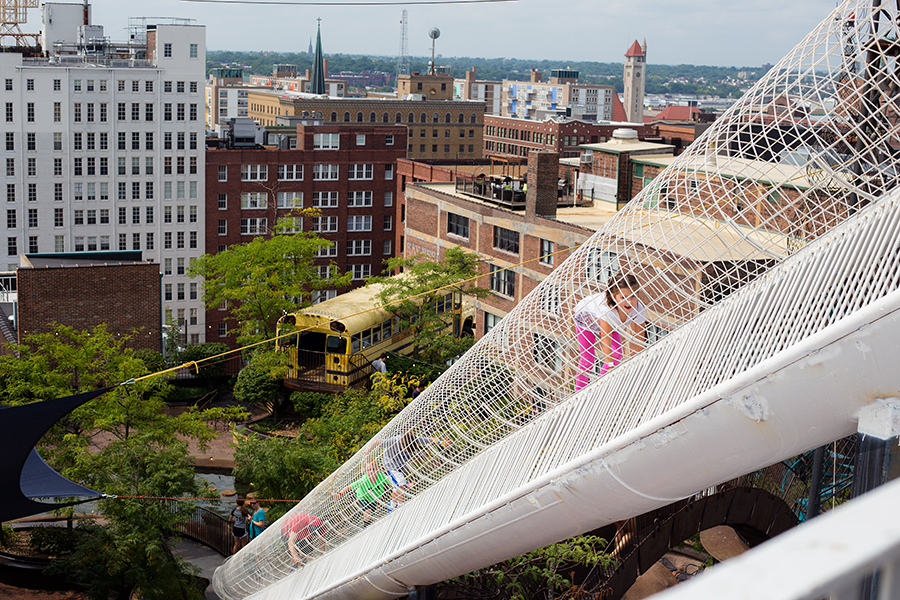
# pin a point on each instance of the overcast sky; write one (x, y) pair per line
(700, 32)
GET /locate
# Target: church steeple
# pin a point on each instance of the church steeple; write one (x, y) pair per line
(317, 81)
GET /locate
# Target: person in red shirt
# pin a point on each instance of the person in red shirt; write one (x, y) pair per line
(299, 529)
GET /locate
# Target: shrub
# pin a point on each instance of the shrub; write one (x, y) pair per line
(7, 534)
(152, 359)
(256, 386)
(309, 404)
(214, 368)
(52, 541)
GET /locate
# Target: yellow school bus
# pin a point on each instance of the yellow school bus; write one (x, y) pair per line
(338, 339)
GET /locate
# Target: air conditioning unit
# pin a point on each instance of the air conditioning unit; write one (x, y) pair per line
(587, 158)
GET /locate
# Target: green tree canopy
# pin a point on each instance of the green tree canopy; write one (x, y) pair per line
(122, 444)
(262, 280)
(419, 297)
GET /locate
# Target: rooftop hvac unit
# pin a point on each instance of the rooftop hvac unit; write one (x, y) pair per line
(587, 158)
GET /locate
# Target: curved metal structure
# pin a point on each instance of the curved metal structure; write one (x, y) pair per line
(767, 260)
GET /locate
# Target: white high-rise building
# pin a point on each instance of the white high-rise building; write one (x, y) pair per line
(104, 150)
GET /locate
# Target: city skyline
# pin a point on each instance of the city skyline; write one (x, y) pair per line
(735, 35)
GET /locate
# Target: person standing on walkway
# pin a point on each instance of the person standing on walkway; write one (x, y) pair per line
(238, 520)
(257, 519)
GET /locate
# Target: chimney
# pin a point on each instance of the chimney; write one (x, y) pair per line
(325, 67)
(543, 175)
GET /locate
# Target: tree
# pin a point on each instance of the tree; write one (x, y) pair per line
(536, 574)
(419, 298)
(266, 278)
(121, 444)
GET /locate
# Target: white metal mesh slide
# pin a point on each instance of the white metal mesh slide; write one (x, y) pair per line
(808, 152)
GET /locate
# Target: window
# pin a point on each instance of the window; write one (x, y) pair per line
(506, 239)
(193, 51)
(359, 247)
(179, 87)
(458, 225)
(193, 294)
(193, 214)
(322, 172)
(359, 223)
(359, 199)
(32, 244)
(167, 52)
(290, 199)
(324, 224)
(59, 243)
(360, 139)
(223, 330)
(167, 111)
(193, 239)
(325, 199)
(31, 164)
(223, 201)
(29, 112)
(57, 111)
(546, 352)
(11, 246)
(361, 271)
(76, 112)
(253, 226)
(360, 171)
(326, 141)
(10, 192)
(502, 281)
(10, 219)
(388, 222)
(389, 140)
(135, 165)
(389, 198)
(179, 111)
(223, 173)
(386, 247)
(327, 251)
(103, 112)
(58, 217)
(192, 114)
(11, 167)
(602, 265)
(104, 141)
(388, 172)
(290, 172)
(223, 227)
(104, 216)
(254, 172)
(249, 200)
(547, 250)
(135, 215)
(57, 192)
(180, 214)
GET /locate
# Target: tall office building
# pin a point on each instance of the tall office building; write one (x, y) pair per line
(104, 148)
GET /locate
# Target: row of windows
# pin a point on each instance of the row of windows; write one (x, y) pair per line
(93, 141)
(523, 135)
(332, 141)
(434, 133)
(89, 166)
(385, 117)
(93, 243)
(434, 148)
(259, 226)
(321, 172)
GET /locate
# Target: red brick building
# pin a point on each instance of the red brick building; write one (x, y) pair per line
(348, 172)
(86, 289)
(507, 136)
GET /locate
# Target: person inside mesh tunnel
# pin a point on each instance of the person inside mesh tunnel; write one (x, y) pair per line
(396, 454)
(603, 317)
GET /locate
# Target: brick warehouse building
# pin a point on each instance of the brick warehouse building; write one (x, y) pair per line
(346, 171)
(85, 289)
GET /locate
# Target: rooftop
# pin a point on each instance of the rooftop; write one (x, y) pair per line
(740, 168)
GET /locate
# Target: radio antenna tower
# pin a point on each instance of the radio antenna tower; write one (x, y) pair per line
(13, 14)
(403, 58)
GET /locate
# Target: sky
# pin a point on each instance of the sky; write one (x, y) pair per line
(699, 32)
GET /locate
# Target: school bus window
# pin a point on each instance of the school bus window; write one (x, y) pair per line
(366, 338)
(355, 343)
(395, 325)
(376, 334)
(336, 345)
(386, 329)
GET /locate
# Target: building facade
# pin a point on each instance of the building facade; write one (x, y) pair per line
(562, 95)
(508, 136)
(437, 129)
(471, 88)
(104, 151)
(347, 172)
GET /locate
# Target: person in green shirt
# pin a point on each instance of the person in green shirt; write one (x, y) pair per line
(368, 490)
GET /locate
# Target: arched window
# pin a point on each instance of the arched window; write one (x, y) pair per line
(346, 117)
(447, 118)
(435, 118)
(318, 114)
(371, 117)
(334, 117)
(359, 117)
(385, 118)
(462, 118)
(423, 118)
(473, 118)
(399, 118)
